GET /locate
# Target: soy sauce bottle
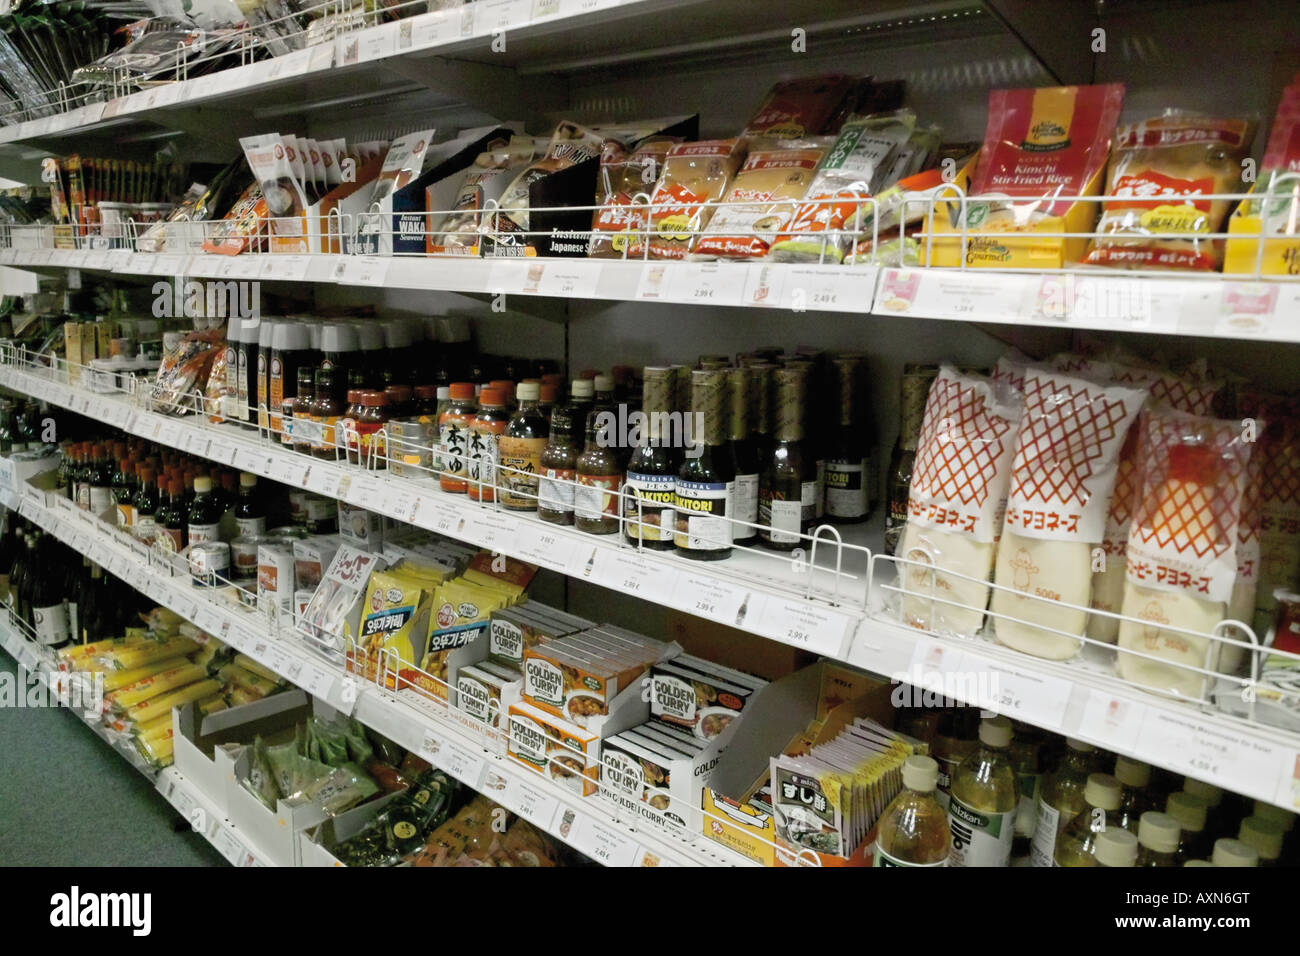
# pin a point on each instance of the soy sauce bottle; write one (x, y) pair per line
(652, 469)
(706, 482)
(787, 492)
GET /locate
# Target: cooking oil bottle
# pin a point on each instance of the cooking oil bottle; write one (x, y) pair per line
(1190, 812)
(1115, 847)
(1076, 845)
(1061, 799)
(1157, 840)
(1215, 816)
(1026, 760)
(914, 829)
(982, 804)
(1135, 777)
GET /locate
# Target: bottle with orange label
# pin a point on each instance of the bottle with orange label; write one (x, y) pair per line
(521, 448)
(484, 433)
(453, 437)
(326, 412)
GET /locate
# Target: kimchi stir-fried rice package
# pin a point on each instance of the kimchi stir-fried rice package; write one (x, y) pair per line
(955, 505)
(1160, 172)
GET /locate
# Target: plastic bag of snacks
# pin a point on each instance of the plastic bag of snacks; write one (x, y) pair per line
(623, 176)
(695, 176)
(1158, 170)
(240, 230)
(184, 366)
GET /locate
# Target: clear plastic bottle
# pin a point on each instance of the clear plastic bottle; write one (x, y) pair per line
(1027, 760)
(1158, 840)
(1234, 853)
(1265, 837)
(1115, 847)
(914, 830)
(1214, 816)
(1190, 812)
(982, 801)
(1076, 845)
(1135, 777)
(1061, 799)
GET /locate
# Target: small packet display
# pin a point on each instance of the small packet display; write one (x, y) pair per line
(1159, 169)
(402, 164)
(695, 176)
(689, 694)
(1182, 561)
(855, 169)
(394, 624)
(570, 144)
(459, 232)
(1273, 207)
(242, 227)
(461, 610)
(1067, 454)
(272, 157)
(331, 613)
(623, 191)
(956, 502)
(184, 369)
(550, 745)
(760, 203)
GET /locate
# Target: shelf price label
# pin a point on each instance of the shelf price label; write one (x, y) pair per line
(626, 571)
(791, 621)
(1114, 720)
(708, 597)
(1035, 698)
(1219, 755)
(461, 762)
(493, 531)
(603, 842)
(324, 480)
(543, 546)
(228, 845)
(530, 802)
(972, 295)
(828, 288)
(361, 270)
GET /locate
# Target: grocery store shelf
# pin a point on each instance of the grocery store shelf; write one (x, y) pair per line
(437, 733)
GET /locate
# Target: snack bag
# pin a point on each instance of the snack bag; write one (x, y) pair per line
(394, 624)
(461, 610)
(1067, 454)
(760, 202)
(1182, 561)
(1158, 168)
(487, 179)
(695, 176)
(803, 107)
(570, 144)
(955, 504)
(241, 229)
(623, 177)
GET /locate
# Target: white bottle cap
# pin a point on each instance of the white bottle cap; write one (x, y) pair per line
(920, 773)
(528, 391)
(1078, 745)
(583, 388)
(290, 336)
(1158, 831)
(338, 337)
(1198, 863)
(1279, 815)
(1188, 809)
(1233, 853)
(266, 332)
(604, 383)
(1132, 773)
(1264, 835)
(202, 484)
(1102, 790)
(444, 393)
(1208, 792)
(314, 331)
(1115, 847)
(995, 731)
(370, 337)
(397, 335)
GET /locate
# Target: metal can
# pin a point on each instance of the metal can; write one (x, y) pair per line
(243, 557)
(410, 447)
(209, 563)
(275, 580)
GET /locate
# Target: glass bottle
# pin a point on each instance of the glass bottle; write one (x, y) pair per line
(1062, 799)
(582, 400)
(49, 611)
(982, 803)
(653, 466)
(1116, 847)
(453, 437)
(787, 491)
(250, 512)
(848, 460)
(6, 429)
(1025, 759)
(327, 409)
(126, 487)
(171, 519)
(304, 420)
(704, 499)
(595, 498)
(1215, 818)
(914, 829)
(955, 738)
(205, 513)
(1189, 811)
(1157, 840)
(79, 580)
(485, 428)
(520, 447)
(1078, 840)
(1135, 777)
(146, 504)
(559, 469)
(744, 458)
(914, 389)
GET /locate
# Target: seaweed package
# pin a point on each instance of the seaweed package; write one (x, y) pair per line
(570, 144)
(260, 781)
(184, 367)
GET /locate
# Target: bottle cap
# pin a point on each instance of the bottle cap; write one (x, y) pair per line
(1132, 773)
(547, 393)
(290, 337)
(1102, 790)
(460, 391)
(1078, 745)
(1188, 809)
(583, 388)
(1233, 853)
(1279, 815)
(493, 397)
(338, 337)
(397, 335)
(603, 383)
(528, 391)
(503, 385)
(370, 337)
(1264, 835)
(995, 731)
(426, 392)
(373, 399)
(175, 487)
(1208, 792)
(1115, 846)
(266, 333)
(354, 396)
(444, 392)
(314, 330)
(398, 394)
(202, 484)
(1158, 831)
(920, 773)
(1198, 863)
(124, 466)
(247, 480)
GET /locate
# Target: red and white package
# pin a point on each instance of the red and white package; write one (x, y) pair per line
(1067, 455)
(959, 486)
(695, 177)
(1277, 424)
(1241, 606)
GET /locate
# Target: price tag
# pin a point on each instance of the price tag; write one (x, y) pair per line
(196, 443)
(495, 532)
(183, 802)
(208, 619)
(827, 288)
(537, 544)
(222, 451)
(289, 268)
(170, 434)
(502, 14)
(461, 762)
(440, 516)
(376, 43)
(603, 842)
(401, 503)
(563, 278)
(1247, 308)
(791, 621)
(289, 471)
(361, 270)
(311, 678)
(246, 460)
(364, 492)
(291, 64)
(1024, 695)
(531, 803)
(708, 283)
(1224, 756)
(1111, 719)
(244, 266)
(429, 29)
(228, 845)
(627, 571)
(324, 480)
(708, 597)
(972, 295)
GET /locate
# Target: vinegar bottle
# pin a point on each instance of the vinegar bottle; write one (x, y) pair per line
(1115, 847)
(1077, 843)
(1189, 811)
(1135, 777)
(1158, 835)
(1233, 853)
(1061, 800)
(982, 803)
(914, 830)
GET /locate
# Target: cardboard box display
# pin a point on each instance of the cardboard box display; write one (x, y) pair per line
(551, 746)
(316, 846)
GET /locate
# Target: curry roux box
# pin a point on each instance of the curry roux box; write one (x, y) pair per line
(563, 751)
(699, 702)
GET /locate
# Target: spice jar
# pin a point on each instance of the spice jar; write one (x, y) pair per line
(326, 410)
(400, 404)
(426, 402)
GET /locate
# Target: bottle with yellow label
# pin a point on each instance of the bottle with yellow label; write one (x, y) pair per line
(1077, 843)
(1061, 799)
(983, 798)
(914, 830)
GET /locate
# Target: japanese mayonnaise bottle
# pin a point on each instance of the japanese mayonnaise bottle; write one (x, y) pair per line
(959, 482)
(1067, 451)
(1182, 560)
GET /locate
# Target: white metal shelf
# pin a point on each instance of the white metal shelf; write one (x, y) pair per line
(434, 732)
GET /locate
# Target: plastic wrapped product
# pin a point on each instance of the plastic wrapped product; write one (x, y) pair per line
(695, 177)
(458, 233)
(623, 176)
(805, 106)
(1067, 453)
(1182, 560)
(958, 493)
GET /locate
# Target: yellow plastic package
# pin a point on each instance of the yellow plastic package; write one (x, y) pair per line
(116, 680)
(124, 658)
(149, 687)
(461, 608)
(162, 704)
(394, 623)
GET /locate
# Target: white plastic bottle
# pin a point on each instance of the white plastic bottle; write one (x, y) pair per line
(983, 798)
(1116, 847)
(1234, 853)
